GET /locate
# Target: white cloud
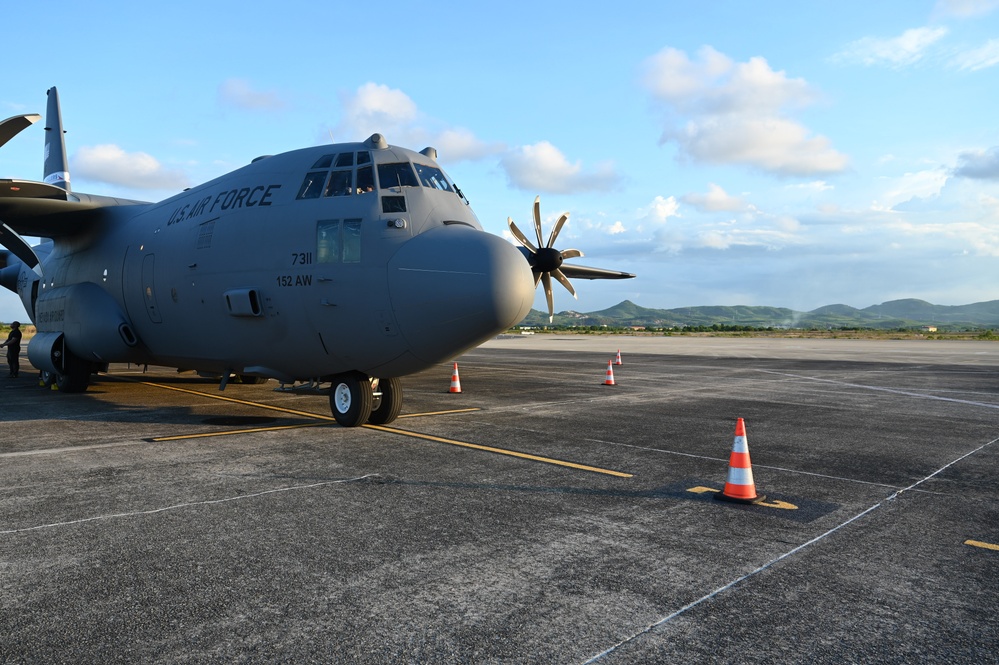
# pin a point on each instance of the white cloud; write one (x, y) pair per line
(660, 210)
(542, 167)
(917, 185)
(136, 170)
(980, 58)
(979, 164)
(376, 108)
(715, 200)
(907, 49)
(460, 144)
(964, 8)
(722, 112)
(238, 93)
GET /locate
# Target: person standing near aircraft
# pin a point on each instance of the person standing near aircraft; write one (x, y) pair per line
(13, 345)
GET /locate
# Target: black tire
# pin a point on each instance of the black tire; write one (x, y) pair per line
(74, 382)
(351, 400)
(251, 380)
(46, 380)
(76, 375)
(390, 404)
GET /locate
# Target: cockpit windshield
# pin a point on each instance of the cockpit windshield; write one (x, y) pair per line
(433, 177)
(335, 175)
(397, 174)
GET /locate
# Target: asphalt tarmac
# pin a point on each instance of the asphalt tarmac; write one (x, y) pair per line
(539, 516)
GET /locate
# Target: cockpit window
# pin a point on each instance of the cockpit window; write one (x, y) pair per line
(345, 159)
(312, 186)
(365, 180)
(324, 162)
(396, 175)
(339, 184)
(363, 157)
(433, 177)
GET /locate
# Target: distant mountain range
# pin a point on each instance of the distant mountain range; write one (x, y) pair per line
(907, 313)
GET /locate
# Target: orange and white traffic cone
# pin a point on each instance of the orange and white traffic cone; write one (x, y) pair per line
(617, 361)
(609, 381)
(740, 487)
(455, 381)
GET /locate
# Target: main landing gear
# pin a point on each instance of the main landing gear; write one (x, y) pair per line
(356, 399)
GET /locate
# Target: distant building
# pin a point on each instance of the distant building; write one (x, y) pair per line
(929, 328)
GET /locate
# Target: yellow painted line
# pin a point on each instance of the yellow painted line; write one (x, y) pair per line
(203, 435)
(501, 451)
(978, 543)
(239, 401)
(438, 413)
(776, 503)
(391, 430)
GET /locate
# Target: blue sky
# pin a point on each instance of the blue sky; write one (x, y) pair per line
(793, 154)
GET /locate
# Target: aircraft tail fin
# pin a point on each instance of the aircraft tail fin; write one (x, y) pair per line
(56, 163)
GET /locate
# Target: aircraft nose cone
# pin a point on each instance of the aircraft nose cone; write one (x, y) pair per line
(454, 287)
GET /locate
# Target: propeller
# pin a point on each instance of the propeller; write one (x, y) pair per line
(546, 261)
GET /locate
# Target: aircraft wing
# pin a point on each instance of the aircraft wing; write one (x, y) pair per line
(38, 209)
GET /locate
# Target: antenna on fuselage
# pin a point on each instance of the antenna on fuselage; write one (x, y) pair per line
(56, 165)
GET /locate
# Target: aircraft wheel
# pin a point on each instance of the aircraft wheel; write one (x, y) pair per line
(46, 379)
(74, 382)
(251, 380)
(351, 399)
(390, 403)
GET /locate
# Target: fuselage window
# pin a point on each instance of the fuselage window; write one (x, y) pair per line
(336, 241)
(339, 184)
(433, 177)
(312, 186)
(351, 240)
(365, 180)
(396, 175)
(324, 162)
(328, 241)
(345, 159)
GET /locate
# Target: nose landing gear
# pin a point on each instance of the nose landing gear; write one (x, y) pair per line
(356, 399)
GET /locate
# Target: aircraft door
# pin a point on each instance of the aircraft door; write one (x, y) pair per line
(149, 290)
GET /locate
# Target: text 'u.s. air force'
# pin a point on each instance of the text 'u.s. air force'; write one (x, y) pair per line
(230, 199)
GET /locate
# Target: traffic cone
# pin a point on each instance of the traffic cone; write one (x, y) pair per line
(740, 487)
(455, 381)
(617, 361)
(609, 381)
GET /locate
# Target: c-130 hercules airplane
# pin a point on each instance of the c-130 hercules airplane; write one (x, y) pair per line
(353, 264)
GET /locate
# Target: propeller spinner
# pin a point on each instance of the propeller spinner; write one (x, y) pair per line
(546, 261)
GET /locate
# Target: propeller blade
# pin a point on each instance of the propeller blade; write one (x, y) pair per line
(558, 227)
(537, 220)
(582, 272)
(547, 281)
(557, 274)
(10, 127)
(520, 236)
(571, 254)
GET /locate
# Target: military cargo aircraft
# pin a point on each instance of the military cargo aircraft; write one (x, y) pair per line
(351, 264)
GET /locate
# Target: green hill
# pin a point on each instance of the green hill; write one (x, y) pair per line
(906, 313)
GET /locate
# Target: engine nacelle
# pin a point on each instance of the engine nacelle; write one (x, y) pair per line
(92, 324)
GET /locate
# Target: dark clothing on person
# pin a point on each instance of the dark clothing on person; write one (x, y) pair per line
(13, 345)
